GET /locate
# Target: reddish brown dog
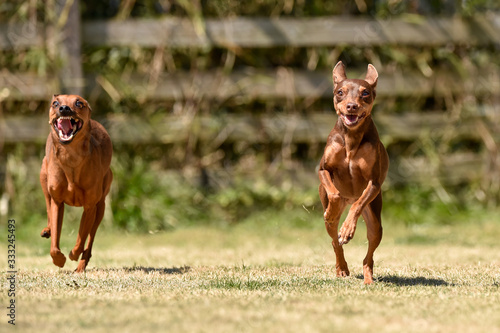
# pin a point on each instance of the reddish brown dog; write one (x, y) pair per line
(353, 167)
(75, 171)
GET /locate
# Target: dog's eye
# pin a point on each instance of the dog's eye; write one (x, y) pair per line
(55, 104)
(365, 93)
(340, 93)
(79, 104)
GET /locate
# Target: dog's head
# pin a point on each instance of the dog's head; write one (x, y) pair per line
(69, 115)
(353, 99)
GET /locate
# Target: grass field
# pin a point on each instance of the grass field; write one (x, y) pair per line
(261, 276)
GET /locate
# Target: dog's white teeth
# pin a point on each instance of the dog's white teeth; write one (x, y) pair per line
(63, 137)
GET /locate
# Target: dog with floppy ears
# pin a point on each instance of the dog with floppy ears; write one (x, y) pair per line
(75, 171)
(353, 167)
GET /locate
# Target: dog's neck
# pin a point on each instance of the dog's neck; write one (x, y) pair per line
(73, 154)
(353, 137)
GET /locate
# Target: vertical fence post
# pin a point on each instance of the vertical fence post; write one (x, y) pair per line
(68, 44)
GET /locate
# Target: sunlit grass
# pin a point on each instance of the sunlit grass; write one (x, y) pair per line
(259, 276)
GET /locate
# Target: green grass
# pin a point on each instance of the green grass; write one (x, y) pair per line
(263, 276)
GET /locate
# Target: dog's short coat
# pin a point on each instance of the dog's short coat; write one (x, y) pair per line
(353, 167)
(76, 172)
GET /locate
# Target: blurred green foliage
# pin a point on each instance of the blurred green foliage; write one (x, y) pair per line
(146, 198)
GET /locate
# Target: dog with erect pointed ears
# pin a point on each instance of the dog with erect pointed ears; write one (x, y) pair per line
(353, 167)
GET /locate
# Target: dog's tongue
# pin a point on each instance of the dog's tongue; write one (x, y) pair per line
(64, 125)
(352, 118)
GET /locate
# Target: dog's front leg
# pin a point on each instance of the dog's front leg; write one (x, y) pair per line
(332, 195)
(333, 206)
(349, 226)
(86, 224)
(56, 219)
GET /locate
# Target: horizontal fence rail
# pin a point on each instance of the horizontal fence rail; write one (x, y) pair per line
(311, 128)
(269, 32)
(253, 84)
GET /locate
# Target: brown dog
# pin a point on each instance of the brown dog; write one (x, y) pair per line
(353, 167)
(75, 171)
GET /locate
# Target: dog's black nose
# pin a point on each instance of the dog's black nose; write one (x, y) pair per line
(64, 110)
(352, 107)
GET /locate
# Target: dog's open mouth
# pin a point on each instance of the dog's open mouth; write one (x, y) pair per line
(351, 119)
(67, 127)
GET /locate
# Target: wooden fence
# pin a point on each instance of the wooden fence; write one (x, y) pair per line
(249, 84)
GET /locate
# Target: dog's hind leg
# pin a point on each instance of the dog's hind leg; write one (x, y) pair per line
(43, 182)
(87, 254)
(371, 215)
(88, 218)
(99, 214)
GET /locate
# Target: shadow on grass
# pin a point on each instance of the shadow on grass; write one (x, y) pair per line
(161, 270)
(411, 281)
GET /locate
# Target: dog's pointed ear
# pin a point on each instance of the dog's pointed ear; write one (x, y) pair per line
(338, 73)
(371, 76)
(88, 105)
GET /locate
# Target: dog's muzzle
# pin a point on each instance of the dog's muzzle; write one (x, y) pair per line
(67, 126)
(351, 119)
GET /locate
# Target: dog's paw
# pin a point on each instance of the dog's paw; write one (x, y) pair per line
(58, 258)
(45, 233)
(368, 274)
(346, 233)
(343, 272)
(81, 266)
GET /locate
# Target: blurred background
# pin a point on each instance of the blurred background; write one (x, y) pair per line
(219, 110)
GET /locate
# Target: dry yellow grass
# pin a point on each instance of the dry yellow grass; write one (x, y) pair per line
(258, 278)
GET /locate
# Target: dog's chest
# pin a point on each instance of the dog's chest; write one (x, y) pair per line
(349, 173)
(67, 192)
(349, 169)
(72, 189)
(76, 196)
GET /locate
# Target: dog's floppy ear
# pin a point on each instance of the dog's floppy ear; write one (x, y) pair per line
(371, 76)
(338, 73)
